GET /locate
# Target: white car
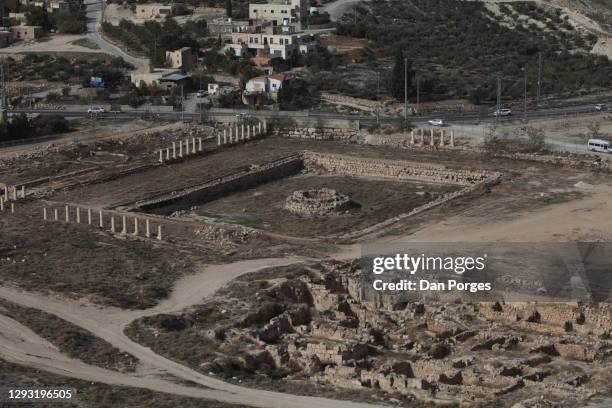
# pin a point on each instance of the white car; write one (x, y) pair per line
(97, 109)
(201, 93)
(436, 122)
(600, 107)
(503, 112)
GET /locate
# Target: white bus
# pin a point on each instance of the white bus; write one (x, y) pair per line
(598, 145)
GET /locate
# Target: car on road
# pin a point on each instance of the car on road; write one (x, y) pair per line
(201, 93)
(96, 110)
(502, 112)
(437, 122)
(600, 107)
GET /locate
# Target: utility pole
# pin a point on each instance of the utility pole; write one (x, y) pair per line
(418, 101)
(525, 96)
(378, 98)
(498, 99)
(539, 79)
(405, 92)
(3, 114)
(182, 105)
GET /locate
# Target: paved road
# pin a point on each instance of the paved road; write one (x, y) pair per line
(93, 10)
(229, 114)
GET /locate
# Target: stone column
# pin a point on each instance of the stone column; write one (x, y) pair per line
(218, 139)
(78, 215)
(135, 226)
(180, 148)
(174, 150)
(147, 228)
(441, 137)
(259, 128)
(112, 223)
(67, 214)
(230, 134)
(193, 146)
(12, 208)
(161, 156)
(224, 136)
(248, 136)
(22, 191)
(242, 132)
(101, 219)
(411, 137)
(124, 222)
(1, 203)
(89, 216)
(431, 133)
(199, 144)
(452, 141)
(14, 193)
(265, 124)
(159, 232)
(45, 213)
(237, 134)
(55, 214)
(168, 154)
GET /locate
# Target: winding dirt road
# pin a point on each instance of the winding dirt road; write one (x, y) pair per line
(20, 345)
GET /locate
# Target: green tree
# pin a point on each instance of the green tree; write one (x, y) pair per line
(38, 16)
(228, 8)
(295, 94)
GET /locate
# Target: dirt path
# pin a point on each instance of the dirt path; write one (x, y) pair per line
(18, 344)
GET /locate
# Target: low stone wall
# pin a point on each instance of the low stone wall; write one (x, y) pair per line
(213, 189)
(319, 133)
(356, 166)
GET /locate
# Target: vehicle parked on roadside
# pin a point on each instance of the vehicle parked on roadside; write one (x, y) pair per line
(598, 145)
(201, 93)
(600, 107)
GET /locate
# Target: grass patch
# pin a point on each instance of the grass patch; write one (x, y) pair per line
(71, 340)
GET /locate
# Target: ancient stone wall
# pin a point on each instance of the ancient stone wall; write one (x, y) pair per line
(319, 133)
(213, 189)
(356, 166)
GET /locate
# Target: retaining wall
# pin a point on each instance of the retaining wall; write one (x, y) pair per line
(221, 186)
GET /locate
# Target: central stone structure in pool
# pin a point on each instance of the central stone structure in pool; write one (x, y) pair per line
(322, 201)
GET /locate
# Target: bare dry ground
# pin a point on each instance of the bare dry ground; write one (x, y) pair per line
(94, 394)
(82, 264)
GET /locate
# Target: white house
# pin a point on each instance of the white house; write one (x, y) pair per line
(257, 85)
(276, 82)
(265, 84)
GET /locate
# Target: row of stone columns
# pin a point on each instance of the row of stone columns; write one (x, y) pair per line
(237, 133)
(420, 133)
(13, 193)
(2, 204)
(113, 226)
(185, 148)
